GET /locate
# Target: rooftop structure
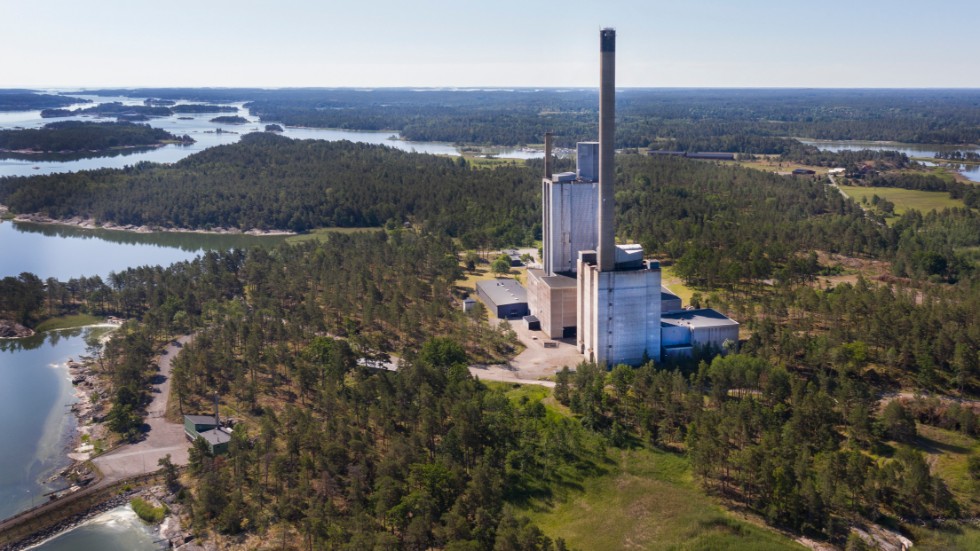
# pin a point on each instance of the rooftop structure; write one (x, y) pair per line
(684, 330)
(506, 298)
(208, 428)
(552, 299)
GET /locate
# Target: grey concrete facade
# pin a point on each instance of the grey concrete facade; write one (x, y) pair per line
(619, 314)
(569, 223)
(552, 299)
(702, 328)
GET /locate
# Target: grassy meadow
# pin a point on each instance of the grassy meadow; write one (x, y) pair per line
(904, 199)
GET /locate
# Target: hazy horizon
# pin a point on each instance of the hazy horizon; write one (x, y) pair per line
(509, 44)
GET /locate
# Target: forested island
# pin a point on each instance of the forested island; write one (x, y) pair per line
(24, 100)
(202, 108)
(230, 119)
(67, 137)
(148, 109)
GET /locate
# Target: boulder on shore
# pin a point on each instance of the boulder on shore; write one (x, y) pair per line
(13, 330)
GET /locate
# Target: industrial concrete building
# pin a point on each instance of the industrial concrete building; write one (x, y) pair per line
(684, 330)
(569, 204)
(552, 300)
(618, 293)
(506, 298)
(606, 295)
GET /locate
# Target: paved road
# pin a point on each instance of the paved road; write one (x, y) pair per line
(163, 437)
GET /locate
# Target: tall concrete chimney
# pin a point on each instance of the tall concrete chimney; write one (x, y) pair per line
(607, 149)
(547, 155)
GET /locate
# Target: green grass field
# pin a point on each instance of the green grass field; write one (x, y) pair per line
(322, 234)
(639, 499)
(647, 500)
(67, 322)
(673, 282)
(904, 199)
(947, 452)
(952, 538)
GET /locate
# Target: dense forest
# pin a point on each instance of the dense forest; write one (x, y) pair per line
(346, 457)
(76, 136)
(724, 225)
(270, 182)
(25, 100)
(797, 428)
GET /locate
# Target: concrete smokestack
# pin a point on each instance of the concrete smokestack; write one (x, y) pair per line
(547, 155)
(607, 149)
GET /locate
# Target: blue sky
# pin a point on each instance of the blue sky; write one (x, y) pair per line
(500, 43)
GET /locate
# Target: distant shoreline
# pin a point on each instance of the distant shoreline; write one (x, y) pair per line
(91, 224)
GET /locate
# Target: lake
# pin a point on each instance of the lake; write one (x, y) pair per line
(64, 252)
(35, 420)
(199, 127)
(972, 172)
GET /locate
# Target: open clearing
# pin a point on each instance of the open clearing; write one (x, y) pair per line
(646, 500)
(904, 199)
(67, 322)
(322, 234)
(672, 281)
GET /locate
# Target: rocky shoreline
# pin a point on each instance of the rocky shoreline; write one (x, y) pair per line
(91, 224)
(13, 330)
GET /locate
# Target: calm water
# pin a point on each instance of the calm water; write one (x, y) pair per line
(64, 252)
(116, 530)
(35, 420)
(912, 150)
(199, 127)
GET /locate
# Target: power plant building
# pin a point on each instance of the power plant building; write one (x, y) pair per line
(606, 295)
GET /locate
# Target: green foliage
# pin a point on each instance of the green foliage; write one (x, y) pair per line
(501, 265)
(146, 512)
(442, 353)
(898, 423)
(21, 297)
(267, 181)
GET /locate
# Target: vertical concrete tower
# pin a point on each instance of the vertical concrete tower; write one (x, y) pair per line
(607, 149)
(619, 301)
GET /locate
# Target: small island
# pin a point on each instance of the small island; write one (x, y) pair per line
(203, 108)
(230, 119)
(73, 137)
(114, 109)
(273, 128)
